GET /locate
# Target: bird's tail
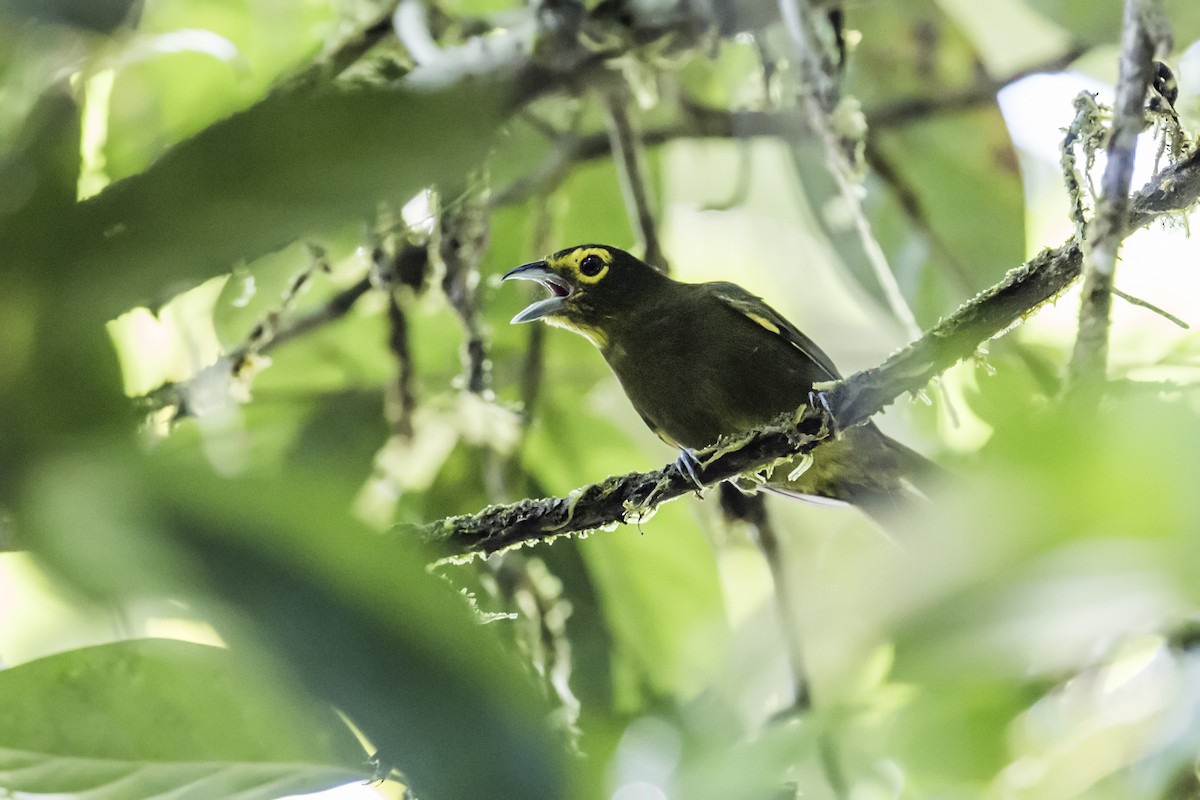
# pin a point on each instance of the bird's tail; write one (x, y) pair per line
(865, 468)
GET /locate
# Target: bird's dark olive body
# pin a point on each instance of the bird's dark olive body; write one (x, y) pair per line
(703, 360)
(706, 369)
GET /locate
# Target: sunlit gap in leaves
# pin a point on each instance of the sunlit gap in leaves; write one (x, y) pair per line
(39, 618)
(1098, 720)
(1157, 263)
(179, 345)
(93, 173)
(418, 213)
(647, 757)
(171, 345)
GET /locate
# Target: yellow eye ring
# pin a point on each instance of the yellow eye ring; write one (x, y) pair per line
(590, 264)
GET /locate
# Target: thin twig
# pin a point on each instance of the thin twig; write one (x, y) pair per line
(630, 162)
(819, 92)
(910, 203)
(818, 97)
(817, 69)
(701, 122)
(1089, 359)
(266, 333)
(337, 307)
(1146, 304)
(752, 509)
(526, 587)
(345, 54)
(170, 394)
(855, 399)
(399, 400)
(464, 238)
(768, 542)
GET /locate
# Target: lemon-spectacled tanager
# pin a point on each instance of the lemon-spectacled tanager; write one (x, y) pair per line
(703, 360)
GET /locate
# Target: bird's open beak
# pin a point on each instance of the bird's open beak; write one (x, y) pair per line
(558, 287)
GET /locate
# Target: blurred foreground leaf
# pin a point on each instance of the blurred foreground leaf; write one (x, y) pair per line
(291, 167)
(295, 165)
(101, 16)
(1074, 537)
(354, 615)
(136, 719)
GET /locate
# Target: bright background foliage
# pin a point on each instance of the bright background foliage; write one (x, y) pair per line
(183, 610)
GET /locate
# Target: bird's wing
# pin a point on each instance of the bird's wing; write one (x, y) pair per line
(659, 431)
(758, 312)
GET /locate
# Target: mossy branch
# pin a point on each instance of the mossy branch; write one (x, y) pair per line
(1088, 367)
(852, 401)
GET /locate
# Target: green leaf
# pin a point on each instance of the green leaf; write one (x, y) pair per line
(942, 162)
(1008, 34)
(955, 736)
(1100, 22)
(295, 165)
(140, 718)
(278, 563)
(193, 62)
(926, 208)
(921, 53)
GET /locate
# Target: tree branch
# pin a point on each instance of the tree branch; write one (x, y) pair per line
(399, 399)
(1089, 359)
(818, 96)
(853, 400)
(703, 122)
(465, 235)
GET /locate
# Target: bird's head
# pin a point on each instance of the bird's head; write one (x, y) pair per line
(590, 286)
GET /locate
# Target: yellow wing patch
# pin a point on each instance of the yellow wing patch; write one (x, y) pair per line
(572, 262)
(765, 317)
(764, 322)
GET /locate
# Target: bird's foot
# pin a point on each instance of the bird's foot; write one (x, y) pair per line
(689, 465)
(818, 399)
(382, 770)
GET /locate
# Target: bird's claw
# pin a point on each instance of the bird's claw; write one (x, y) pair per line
(818, 399)
(381, 769)
(689, 465)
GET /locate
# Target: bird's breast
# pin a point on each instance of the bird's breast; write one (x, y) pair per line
(694, 383)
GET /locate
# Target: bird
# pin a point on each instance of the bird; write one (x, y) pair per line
(700, 361)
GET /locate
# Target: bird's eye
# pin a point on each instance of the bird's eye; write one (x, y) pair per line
(591, 265)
